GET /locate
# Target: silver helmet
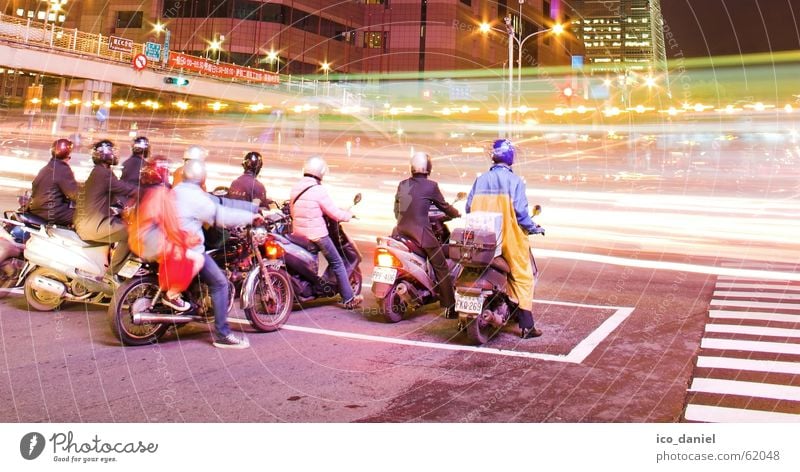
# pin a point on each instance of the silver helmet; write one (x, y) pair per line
(195, 153)
(315, 166)
(421, 163)
(194, 171)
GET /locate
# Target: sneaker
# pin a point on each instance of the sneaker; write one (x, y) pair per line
(231, 341)
(177, 303)
(354, 302)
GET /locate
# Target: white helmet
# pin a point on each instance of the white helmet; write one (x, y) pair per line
(315, 166)
(421, 163)
(195, 153)
(194, 171)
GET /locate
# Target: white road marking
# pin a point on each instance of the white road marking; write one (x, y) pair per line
(754, 330)
(767, 295)
(585, 347)
(719, 414)
(777, 367)
(754, 315)
(675, 266)
(749, 304)
(787, 287)
(752, 346)
(747, 389)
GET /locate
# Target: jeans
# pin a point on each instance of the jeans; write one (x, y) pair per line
(217, 284)
(328, 249)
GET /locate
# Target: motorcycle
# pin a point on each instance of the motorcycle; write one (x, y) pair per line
(302, 260)
(12, 244)
(137, 318)
(403, 280)
(482, 300)
(75, 275)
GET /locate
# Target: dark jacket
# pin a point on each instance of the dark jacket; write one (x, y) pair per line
(247, 187)
(131, 169)
(94, 202)
(53, 190)
(411, 204)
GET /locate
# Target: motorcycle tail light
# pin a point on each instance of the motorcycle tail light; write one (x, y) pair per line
(273, 249)
(384, 258)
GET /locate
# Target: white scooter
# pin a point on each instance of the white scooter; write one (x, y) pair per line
(60, 266)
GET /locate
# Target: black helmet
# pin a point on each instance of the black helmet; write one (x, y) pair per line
(141, 147)
(61, 149)
(252, 162)
(104, 152)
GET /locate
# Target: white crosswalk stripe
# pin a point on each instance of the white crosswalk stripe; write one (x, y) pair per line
(748, 365)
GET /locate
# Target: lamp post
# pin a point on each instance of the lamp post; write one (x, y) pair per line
(326, 67)
(272, 58)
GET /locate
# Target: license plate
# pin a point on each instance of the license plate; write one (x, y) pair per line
(465, 304)
(385, 275)
(129, 269)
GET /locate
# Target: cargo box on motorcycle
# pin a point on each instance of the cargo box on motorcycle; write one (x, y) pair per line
(473, 247)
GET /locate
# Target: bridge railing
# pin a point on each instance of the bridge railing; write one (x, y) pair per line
(52, 36)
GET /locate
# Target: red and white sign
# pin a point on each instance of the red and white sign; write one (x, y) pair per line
(228, 71)
(140, 62)
(115, 43)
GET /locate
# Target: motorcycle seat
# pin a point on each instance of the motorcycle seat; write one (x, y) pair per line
(412, 246)
(499, 263)
(303, 242)
(72, 238)
(29, 219)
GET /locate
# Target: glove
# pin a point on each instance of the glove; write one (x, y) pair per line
(538, 230)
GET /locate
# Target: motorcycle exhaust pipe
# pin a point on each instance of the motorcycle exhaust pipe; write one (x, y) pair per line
(408, 294)
(155, 318)
(53, 287)
(492, 318)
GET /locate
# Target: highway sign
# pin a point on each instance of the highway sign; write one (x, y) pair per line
(115, 43)
(152, 51)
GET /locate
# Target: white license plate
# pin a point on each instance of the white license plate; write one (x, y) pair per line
(129, 269)
(465, 304)
(385, 275)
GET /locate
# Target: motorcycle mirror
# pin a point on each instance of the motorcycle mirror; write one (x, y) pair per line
(537, 210)
(357, 199)
(460, 196)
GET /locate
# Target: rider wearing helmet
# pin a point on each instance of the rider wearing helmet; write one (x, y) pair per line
(192, 153)
(412, 203)
(246, 186)
(502, 191)
(94, 219)
(54, 190)
(132, 167)
(196, 208)
(310, 201)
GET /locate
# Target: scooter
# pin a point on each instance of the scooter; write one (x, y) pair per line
(302, 261)
(403, 280)
(482, 300)
(12, 244)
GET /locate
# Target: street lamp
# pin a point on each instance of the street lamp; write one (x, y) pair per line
(216, 45)
(272, 58)
(326, 67)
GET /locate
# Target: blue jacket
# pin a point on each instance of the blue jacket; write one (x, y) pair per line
(501, 180)
(196, 208)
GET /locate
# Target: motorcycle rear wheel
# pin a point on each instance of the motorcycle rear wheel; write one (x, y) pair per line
(479, 331)
(393, 307)
(133, 295)
(40, 300)
(276, 312)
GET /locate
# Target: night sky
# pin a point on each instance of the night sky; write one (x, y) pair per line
(718, 27)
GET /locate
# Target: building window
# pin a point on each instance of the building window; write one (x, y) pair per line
(374, 39)
(129, 19)
(467, 2)
(546, 8)
(376, 2)
(345, 36)
(246, 10)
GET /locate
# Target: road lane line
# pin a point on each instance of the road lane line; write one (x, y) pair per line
(747, 389)
(580, 352)
(751, 346)
(749, 304)
(754, 315)
(732, 363)
(768, 295)
(754, 330)
(787, 287)
(719, 414)
(674, 266)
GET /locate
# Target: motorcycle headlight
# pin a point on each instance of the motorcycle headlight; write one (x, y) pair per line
(259, 236)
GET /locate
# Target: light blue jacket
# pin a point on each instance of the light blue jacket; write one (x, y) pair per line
(501, 180)
(196, 208)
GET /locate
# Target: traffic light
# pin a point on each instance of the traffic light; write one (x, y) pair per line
(179, 81)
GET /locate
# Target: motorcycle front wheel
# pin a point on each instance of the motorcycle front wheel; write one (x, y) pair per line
(134, 296)
(271, 308)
